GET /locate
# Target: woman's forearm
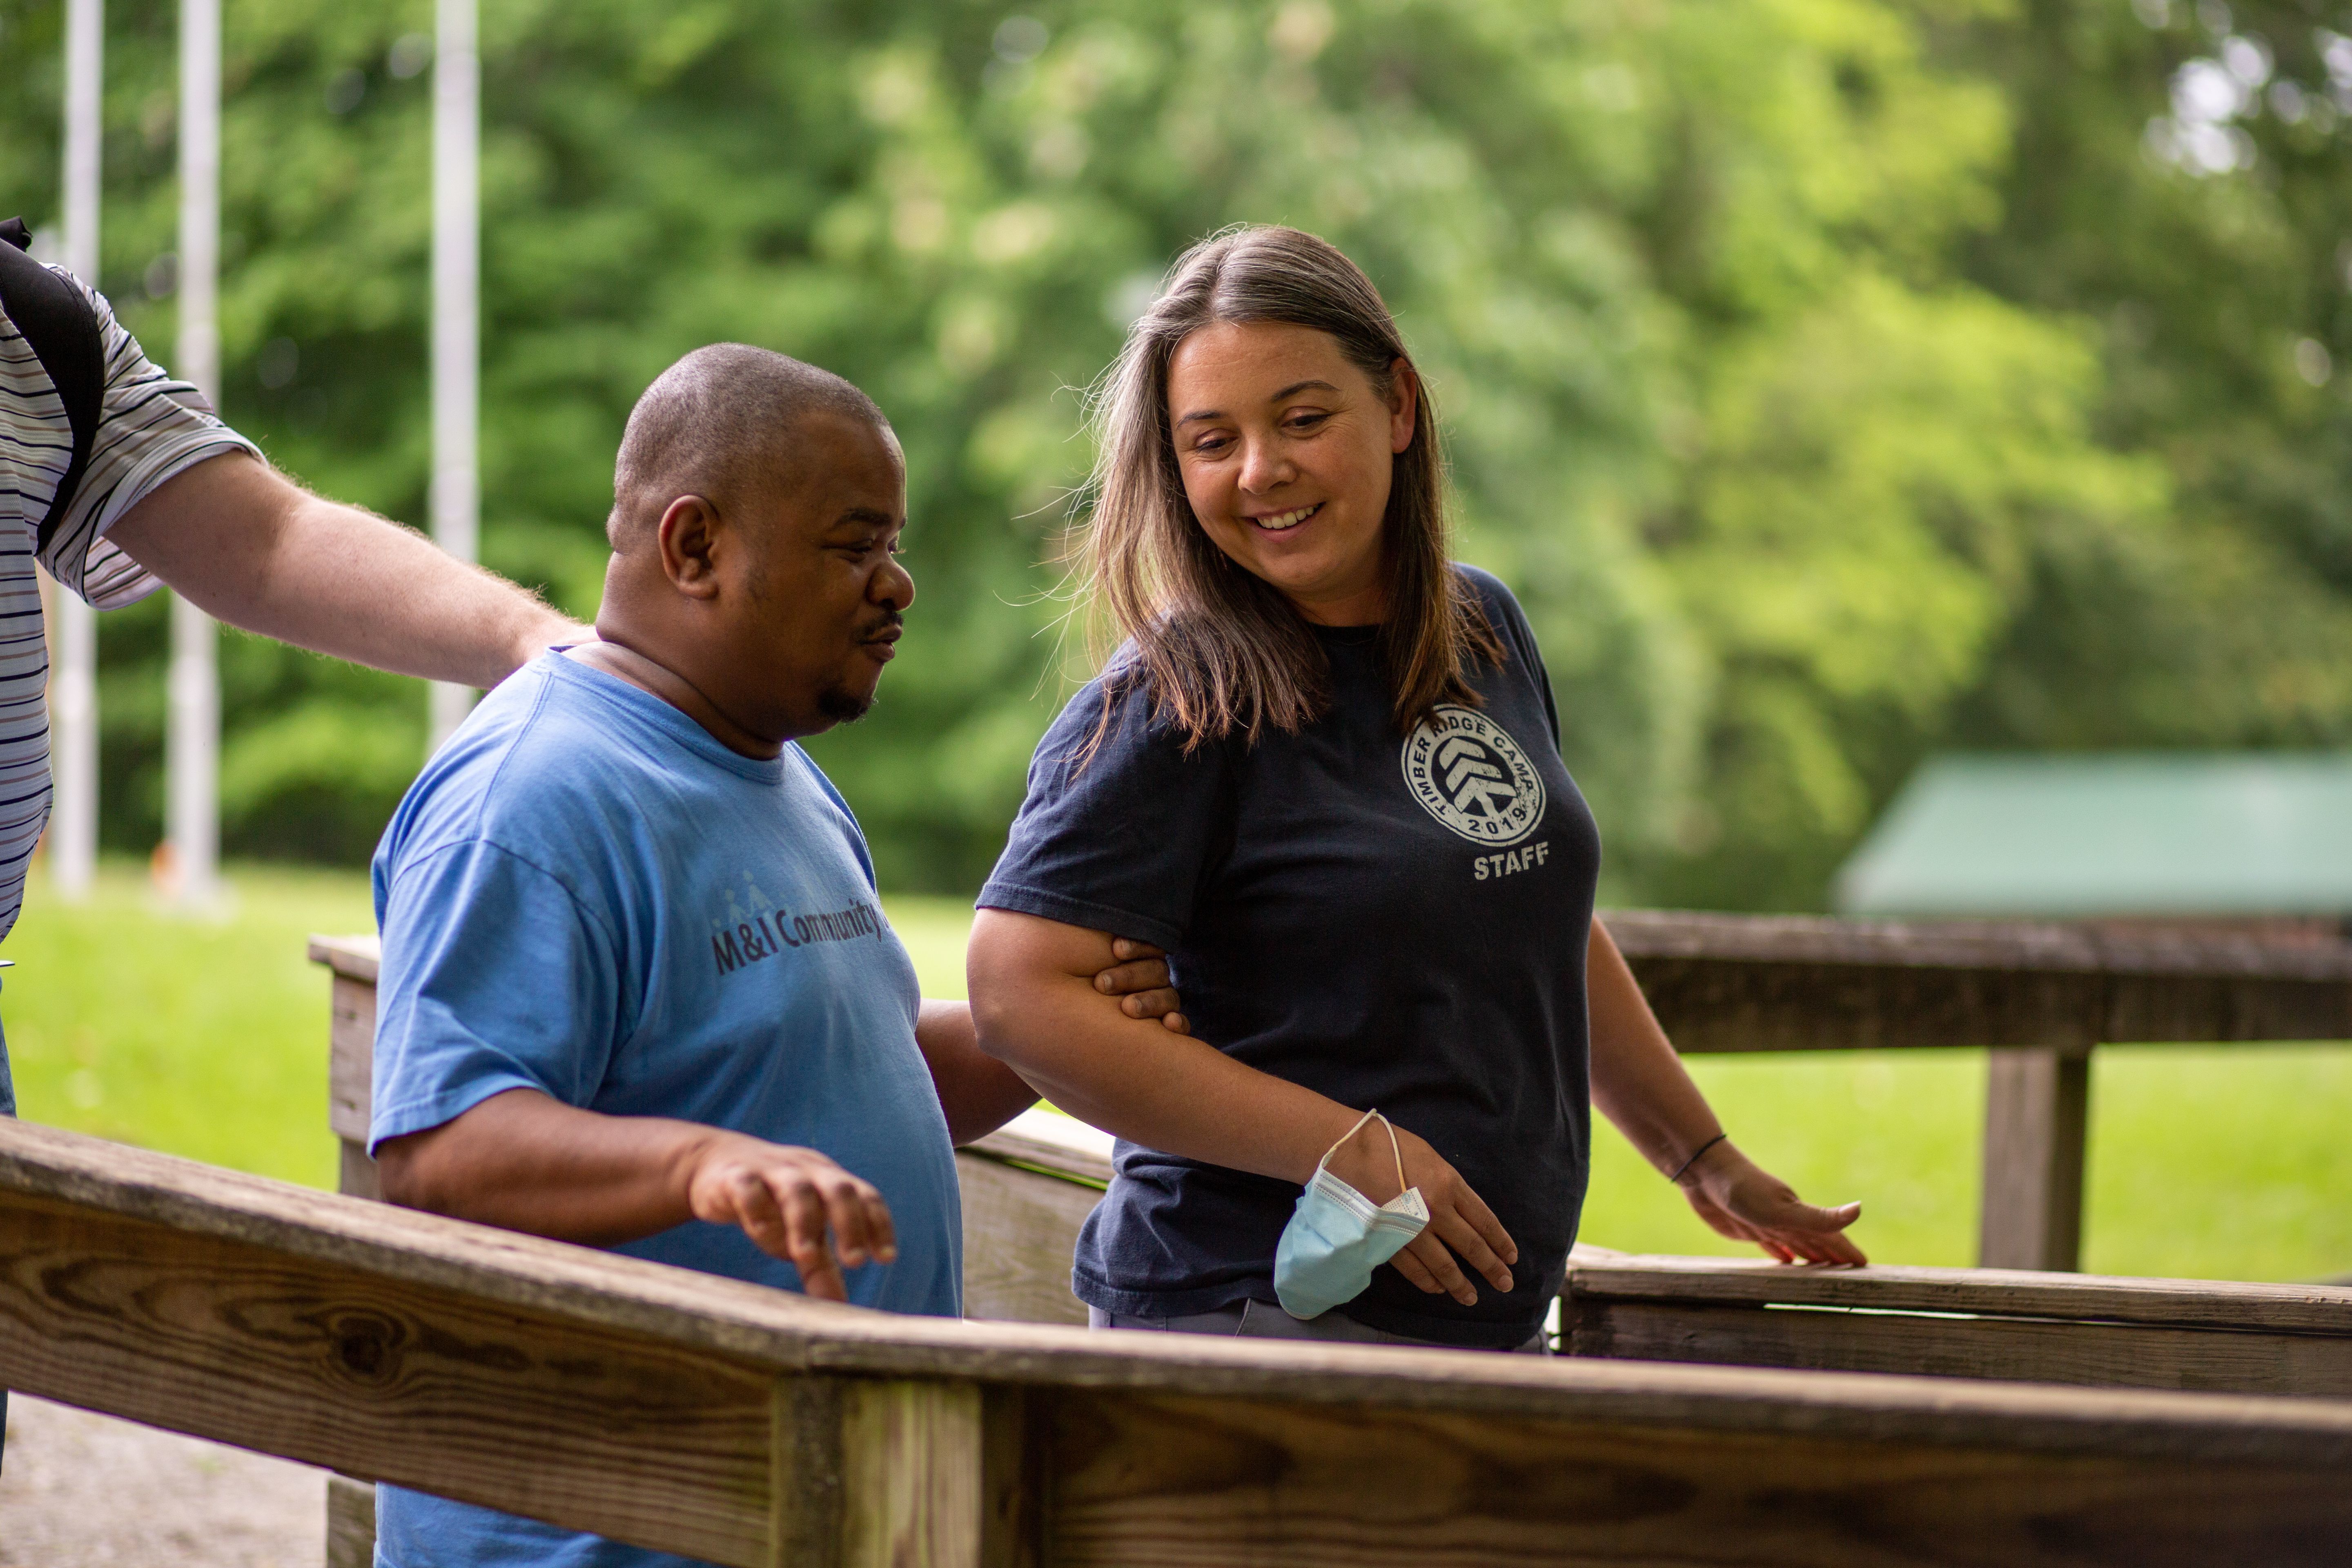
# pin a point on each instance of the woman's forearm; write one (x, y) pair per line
(1638, 1080)
(1034, 1002)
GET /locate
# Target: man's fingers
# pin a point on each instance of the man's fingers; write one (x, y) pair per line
(757, 1212)
(1176, 1021)
(1126, 979)
(844, 1210)
(822, 1280)
(1126, 949)
(804, 1225)
(1150, 1004)
(881, 1235)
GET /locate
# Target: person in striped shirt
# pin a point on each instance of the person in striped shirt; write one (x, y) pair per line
(171, 496)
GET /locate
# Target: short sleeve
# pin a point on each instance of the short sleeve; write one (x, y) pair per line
(1120, 826)
(151, 428)
(494, 978)
(1511, 623)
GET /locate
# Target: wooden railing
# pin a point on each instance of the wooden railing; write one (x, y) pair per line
(749, 1427)
(2040, 996)
(2043, 996)
(714, 1418)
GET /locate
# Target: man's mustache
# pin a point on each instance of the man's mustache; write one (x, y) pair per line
(888, 621)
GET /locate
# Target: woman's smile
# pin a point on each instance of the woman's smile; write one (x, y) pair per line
(1284, 521)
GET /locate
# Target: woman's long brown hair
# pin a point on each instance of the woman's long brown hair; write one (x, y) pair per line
(1220, 649)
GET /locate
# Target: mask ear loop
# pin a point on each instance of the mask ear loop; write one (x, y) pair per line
(1403, 1187)
(1351, 1131)
(1396, 1150)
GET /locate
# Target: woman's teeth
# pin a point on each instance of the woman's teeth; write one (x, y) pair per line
(1276, 524)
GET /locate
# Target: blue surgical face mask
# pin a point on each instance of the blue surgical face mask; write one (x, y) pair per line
(1336, 1235)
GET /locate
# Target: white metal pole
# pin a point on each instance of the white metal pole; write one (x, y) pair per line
(457, 308)
(192, 745)
(73, 688)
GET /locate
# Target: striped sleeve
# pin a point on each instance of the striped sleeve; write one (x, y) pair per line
(151, 428)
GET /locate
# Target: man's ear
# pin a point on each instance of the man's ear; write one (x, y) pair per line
(688, 537)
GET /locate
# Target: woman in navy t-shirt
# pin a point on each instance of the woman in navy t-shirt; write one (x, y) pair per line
(1323, 770)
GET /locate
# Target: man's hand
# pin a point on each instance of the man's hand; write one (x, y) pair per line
(787, 1199)
(1745, 1201)
(1140, 979)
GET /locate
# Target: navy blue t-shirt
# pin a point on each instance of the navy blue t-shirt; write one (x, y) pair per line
(1392, 921)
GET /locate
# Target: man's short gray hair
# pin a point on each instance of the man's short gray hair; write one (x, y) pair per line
(721, 423)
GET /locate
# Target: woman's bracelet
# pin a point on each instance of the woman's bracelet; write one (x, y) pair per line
(1680, 1170)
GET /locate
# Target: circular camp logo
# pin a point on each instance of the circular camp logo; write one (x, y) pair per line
(1471, 776)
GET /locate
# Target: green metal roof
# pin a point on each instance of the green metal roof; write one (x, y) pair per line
(2154, 834)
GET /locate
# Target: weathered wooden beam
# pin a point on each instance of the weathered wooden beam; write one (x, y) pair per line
(2223, 1306)
(1773, 982)
(2029, 1350)
(1770, 982)
(1177, 1481)
(2109, 1333)
(2037, 1126)
(386, 1379)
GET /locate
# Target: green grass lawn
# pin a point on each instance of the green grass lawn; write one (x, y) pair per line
(207, 1037)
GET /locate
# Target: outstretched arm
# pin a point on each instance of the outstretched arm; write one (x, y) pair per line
(525, 1161)
(247, 545)
(1639, 1083)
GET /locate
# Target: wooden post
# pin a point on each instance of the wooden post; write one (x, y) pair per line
(351, 1064)
(350, 1522)
(2037, 1111)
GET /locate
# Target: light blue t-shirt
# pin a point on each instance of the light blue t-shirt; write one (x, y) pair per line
(584, 894)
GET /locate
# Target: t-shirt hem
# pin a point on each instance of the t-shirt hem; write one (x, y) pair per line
(1168, 1304)
(1026, 900)
(1456, 1332)
(1465, 1333)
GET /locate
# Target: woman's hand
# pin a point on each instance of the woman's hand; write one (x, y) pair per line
(1747, 1203)
(1459, 1218)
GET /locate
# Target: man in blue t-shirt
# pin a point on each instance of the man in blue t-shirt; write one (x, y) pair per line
(638, 988)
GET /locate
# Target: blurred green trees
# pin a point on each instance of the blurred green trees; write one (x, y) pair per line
(1834, 379)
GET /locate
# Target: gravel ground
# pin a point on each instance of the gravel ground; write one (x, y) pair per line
(78, 1490)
